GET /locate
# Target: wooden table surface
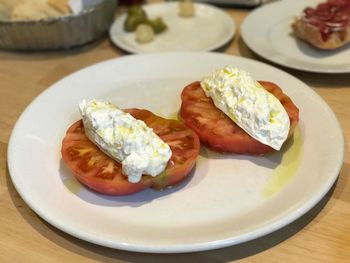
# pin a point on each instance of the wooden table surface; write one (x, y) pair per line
(321, 235)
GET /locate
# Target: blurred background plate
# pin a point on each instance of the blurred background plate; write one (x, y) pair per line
(267, 31)
(209, 29)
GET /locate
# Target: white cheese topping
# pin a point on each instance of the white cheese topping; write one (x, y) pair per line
(125, 139)
(248, 104)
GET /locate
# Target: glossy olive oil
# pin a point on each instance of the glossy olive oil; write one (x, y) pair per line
(288, 167)
(175, 116)
(72, 185)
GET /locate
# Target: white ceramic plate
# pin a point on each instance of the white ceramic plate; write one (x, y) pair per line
(267, 31)
(209, 29)
(225, 201)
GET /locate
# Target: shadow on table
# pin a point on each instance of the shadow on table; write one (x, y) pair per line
(103, 254)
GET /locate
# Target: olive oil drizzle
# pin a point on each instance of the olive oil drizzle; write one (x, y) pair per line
(288, 167)
(72, 185)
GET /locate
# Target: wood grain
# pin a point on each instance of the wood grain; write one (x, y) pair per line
(321, 235)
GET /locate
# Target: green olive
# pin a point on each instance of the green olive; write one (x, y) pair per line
(132, 22)
(137, 10)
(158, 25)
(136, 16)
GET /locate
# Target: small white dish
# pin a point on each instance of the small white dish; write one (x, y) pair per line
(228, 199)
(209, 29)
(267, 31)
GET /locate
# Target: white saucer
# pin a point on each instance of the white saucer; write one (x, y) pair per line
(209, 29)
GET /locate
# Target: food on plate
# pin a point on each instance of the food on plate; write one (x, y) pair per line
(157, 24)
(24, 10)
(231, 112)
(109, 149)
(125, 139)
(186, 8)
(144, 33)
(61, 5)
(137, 20)
(136, 16)
(326, 26)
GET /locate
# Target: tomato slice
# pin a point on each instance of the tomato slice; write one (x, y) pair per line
(101, 173)
(217, 130)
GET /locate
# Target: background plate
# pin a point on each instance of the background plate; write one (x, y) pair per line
(267, 31)
(209, 29)
(227, 200)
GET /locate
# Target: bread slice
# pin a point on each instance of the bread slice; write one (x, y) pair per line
(39, 9)
(326, 26)
(60, 5)
(313, 36)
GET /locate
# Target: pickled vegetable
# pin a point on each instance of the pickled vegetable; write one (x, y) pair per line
(158, 25)
(136, 10)
(144, 33)
(137, 16)
(186, 8)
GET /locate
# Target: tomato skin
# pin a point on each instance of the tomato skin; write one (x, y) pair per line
(102, 174)
(217, 130)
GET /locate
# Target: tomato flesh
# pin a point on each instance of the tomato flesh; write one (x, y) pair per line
(217, 130)
(101, 173)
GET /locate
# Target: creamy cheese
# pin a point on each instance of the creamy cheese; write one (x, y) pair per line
(127, 140)
(248, 104)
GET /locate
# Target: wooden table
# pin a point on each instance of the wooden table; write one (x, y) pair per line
(322, 235)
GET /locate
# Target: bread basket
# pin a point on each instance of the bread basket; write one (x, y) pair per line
(59, 32)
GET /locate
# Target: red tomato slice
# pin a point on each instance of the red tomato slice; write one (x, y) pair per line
(217, 130)
(99, 172)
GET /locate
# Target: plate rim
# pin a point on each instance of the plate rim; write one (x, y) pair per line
(174, 248)
(131, 50)
(259, 52)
